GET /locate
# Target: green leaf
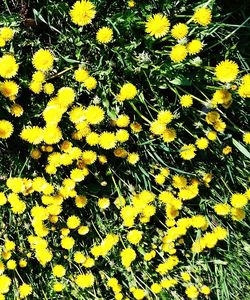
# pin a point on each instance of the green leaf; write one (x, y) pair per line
(241, 148)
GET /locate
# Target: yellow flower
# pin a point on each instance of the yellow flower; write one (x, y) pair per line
(227, 150)
(9, 89)
(38, 76)
(67, 242)
(185, 276)
(156, 288)
(157, 127)
(122, 121)
(179, 31)
(138, 294)
(136, 127)
(36, 87)
(35, 154)
(160, 179)
(58, 271)
(187, 152)
(82, 12)
(48, 88)
(186, 100)
(43, 60)
(212, 135)
(246, 138)
(122, 135)
(6, 33)
(52, 134)
(203, 16)
(25, 290)
(58, 287)
(90, 83)
(73, 222)
(178, 53)
(81, 75)
(65, 96)
(131, 3)
(134, 236)
(226, 71)
(169, 135)
(157, 25)
(16, 110)
(85, 280)
(127, 92)
(205, 290)
(33, 135)
(5, 283)
(239, 200)
(221, 97)
(128, 255)
(202, 143)
(238, 214)
(6, 129)
(192, 292)
(103, 203)
(11, 264)
(107, 140)
(165, 117)
(8, 66)
(3, 200)
(133, 158)
(222, 209)
(194, 47)
(92, 139)
(104, 35)
(94, 114)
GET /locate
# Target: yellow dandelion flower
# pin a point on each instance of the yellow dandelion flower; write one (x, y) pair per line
(6, 33)
(187, 152)
(194, 47)
(239, 200)
(58, 271)
(179, 31)
(94, 114)
(133, 158)
(82, 12)
(192, 292)
(48, 88)
(127, 92)
(226, 71)
(246, 138)
(8, 66)
(85, 280)
(6, 129)
(36, 87)
(104, 35)
(107, 140)
(202, 143)
(157, 25)
(90, 83)
(203, 16)
(178, 53)
(33, 135)
(67, 242)
(222, 209)
(81, 75)
(9, 89)
(43, 60)
(169, 135)
(186, 100)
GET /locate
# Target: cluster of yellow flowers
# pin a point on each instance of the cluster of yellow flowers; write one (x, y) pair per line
(73, 142)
